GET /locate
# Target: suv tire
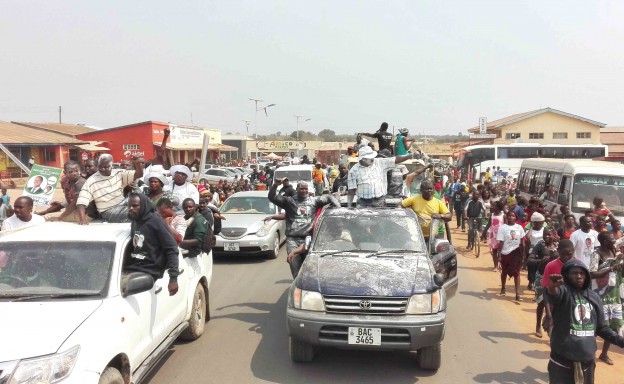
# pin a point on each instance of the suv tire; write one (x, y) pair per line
(111, 376)
(199, 315)
(430, 357)
(300, 351)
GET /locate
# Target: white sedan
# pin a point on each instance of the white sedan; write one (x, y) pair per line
(66, 317)
(244, 230)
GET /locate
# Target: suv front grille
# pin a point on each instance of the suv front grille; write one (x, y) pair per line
(366, 305)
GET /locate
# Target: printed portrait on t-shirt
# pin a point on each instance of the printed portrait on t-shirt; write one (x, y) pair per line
(582, 313)
(512, 234)
(588, 242)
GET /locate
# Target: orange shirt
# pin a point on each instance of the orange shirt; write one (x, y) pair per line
(317, 175)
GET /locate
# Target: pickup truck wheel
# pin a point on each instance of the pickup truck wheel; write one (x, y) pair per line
(197, 322)
(111, 376)
(276, 246)
(430, 357)
(300, 351)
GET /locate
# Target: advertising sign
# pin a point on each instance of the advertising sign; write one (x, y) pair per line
(41, 184)
(482, 124)
(270, 145)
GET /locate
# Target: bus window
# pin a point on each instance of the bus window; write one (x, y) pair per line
(525, 181)
(537, 187)
(555, 181)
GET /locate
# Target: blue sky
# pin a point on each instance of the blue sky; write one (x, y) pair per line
(431, 66)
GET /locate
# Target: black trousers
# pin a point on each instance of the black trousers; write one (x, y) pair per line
(564, 375)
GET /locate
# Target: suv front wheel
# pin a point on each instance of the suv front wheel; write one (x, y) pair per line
(300, 351)
(430, 357)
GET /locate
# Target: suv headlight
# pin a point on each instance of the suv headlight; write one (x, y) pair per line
(264, 230)
(308, 300)
(426, 303)
(48, 369)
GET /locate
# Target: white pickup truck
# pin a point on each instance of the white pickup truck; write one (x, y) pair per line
(64, 315)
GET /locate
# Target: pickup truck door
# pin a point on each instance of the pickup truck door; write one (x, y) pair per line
(171, 310)
(140, 325)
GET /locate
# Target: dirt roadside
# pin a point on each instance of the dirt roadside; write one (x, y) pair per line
(524, 312)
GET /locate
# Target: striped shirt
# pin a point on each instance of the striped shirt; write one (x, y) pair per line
(106, 191)
(371, 182)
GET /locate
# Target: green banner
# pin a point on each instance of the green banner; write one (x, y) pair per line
(41, 184)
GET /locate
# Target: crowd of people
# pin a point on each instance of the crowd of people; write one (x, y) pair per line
(574, 268)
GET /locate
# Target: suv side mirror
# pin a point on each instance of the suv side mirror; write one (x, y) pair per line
(137, 282)
(438, 279)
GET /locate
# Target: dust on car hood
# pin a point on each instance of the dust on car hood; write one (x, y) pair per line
(356, 275)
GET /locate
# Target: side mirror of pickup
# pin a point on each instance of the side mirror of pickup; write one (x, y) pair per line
(308, 242)
(438, 279)
(137, 282)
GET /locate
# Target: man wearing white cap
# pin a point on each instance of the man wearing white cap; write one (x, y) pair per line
(180, 187)
(369, 177)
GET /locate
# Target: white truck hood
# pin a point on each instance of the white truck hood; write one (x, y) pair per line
(32, 329)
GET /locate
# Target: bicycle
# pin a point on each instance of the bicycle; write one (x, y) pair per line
(474, 235)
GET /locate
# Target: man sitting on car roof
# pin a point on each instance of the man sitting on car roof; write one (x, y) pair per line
(105, 188)
(427, 207)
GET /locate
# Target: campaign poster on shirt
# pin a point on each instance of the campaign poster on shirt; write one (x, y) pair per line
(41, 184)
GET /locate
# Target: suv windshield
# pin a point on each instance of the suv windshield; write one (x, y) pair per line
(610, 188)
(36, 268)
(373, 233)
(248, 204)
(294, 175)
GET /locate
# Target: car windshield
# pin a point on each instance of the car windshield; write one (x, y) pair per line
(294, 175)
(373, 233)
(609, 188)
(55, 268)
(248, 204)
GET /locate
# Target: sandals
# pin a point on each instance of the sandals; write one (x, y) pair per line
(518, 298)
(502, 292)
(606, 359)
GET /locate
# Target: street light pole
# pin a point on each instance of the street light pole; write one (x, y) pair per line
(255, 116)
(298, 117)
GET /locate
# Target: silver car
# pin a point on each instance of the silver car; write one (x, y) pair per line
(244, 231)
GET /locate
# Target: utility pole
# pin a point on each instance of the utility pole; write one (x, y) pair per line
(60, 115)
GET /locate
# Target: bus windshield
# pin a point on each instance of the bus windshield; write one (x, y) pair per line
(609, 188)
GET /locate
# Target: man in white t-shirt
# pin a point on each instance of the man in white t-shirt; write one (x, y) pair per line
(23, 216)
(585, 240)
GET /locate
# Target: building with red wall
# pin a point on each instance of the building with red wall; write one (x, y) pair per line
(143, 139)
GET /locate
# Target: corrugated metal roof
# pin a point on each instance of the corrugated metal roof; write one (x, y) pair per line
(19, 134)
(68, 129)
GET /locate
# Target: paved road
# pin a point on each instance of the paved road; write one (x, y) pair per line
(246, 339)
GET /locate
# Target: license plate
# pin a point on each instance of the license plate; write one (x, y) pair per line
(364, 336)
(231, 247)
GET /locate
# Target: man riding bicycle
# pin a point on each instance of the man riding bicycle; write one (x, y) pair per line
(474, 213)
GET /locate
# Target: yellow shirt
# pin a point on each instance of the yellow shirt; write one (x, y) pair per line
(424, 209)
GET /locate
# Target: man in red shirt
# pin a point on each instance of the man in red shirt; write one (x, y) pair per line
(566, 252)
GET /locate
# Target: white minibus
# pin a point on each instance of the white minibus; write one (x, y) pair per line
(575, 182)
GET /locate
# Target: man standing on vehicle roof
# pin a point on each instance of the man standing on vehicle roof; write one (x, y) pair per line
(300, 213)
(154, 248)
(369, 177)
(383, 137)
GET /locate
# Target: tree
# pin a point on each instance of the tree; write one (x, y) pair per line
(278, 133)
(327, 135)
(300, 135)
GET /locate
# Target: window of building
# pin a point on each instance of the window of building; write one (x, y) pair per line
(583, 135)
(130, 147)
(50, 155)
(536, 135)
(512, 135)
(560, 135)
